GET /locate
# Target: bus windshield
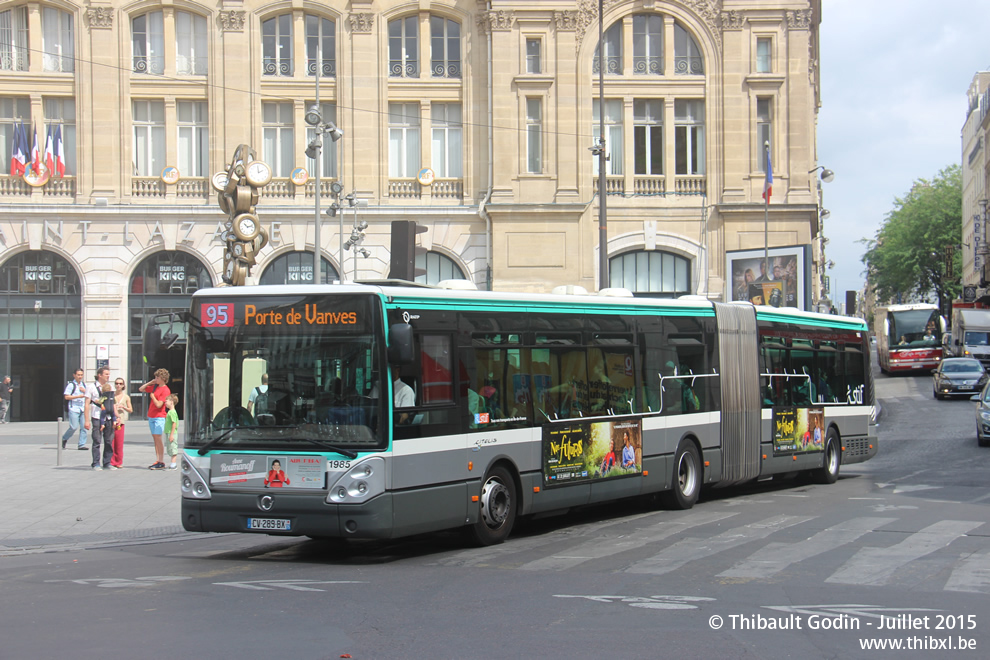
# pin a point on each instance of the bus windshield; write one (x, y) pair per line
(285, 373)
(914, 328)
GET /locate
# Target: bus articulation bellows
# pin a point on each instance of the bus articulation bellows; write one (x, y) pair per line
(380, 411)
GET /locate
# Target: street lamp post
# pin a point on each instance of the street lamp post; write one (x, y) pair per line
(602, 217)
(827, 176)
(314, 117)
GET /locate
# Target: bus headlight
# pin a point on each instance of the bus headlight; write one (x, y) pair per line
(362, 482)
(194, 485)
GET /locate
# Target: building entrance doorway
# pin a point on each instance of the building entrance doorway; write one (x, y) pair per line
(38, 373)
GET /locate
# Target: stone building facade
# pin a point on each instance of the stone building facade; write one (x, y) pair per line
(472, 118)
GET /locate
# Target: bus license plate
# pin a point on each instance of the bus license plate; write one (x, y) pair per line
(270, 524)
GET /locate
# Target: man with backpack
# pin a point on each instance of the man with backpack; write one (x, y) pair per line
(258, 401)
(75, 409)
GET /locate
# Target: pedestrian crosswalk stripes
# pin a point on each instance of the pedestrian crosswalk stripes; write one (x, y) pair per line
(875, 566)
(595, 549)
(692, 549)
(861, 548)
(972, 574)
(776, 557)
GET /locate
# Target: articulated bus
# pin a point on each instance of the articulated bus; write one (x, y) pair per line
(376, 411)
(909, 337)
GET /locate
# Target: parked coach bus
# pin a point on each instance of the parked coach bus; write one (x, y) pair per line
(909, 337)
(367, 411)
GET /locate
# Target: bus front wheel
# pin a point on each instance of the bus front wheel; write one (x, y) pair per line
(686, 484)
(828, 473)
(498, 508)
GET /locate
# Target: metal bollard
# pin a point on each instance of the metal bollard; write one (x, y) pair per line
(58, 442)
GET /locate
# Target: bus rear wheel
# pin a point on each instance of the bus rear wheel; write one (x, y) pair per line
(686, 485)
(828, 473)
(498, 508)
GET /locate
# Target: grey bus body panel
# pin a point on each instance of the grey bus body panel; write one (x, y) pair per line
(741, 407)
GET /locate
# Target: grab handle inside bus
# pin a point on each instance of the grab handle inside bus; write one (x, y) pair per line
(400, 344)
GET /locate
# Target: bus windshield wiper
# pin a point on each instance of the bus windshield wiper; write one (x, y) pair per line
(223, 436)
(216, 441)
(326, 445)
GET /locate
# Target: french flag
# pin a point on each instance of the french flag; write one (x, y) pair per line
(35, 154)
(768, 184)
(18, 155)
(50, 149)
(59, 152)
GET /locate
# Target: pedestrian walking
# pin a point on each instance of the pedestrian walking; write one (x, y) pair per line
(75, 409)
(123, 410)
(157, 390)
(6, 390)
(94, 394)
(108, 418)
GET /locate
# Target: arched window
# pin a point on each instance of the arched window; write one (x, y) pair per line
(169, 274)
(38, 272)
(57, 40)
(651, 273)
(445, 47)
(438, 268)
(687, 55)
(613, 51)
(647, 44)
(297, 268)
(321, 37)
(403, 52)
(148, 43)
(276, 46)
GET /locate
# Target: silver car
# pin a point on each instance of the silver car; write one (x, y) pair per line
(958, 376)
(983, 416)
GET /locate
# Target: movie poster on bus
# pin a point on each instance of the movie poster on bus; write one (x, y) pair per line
(267, 472)
(588, 451)
(798, 430)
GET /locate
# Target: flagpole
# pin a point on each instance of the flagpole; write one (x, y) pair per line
(766, 213)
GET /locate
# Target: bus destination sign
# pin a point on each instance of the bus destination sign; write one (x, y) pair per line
(224, 315)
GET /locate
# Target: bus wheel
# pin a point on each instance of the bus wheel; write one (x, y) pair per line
(686, 484)
(829, 471)
(498, 508)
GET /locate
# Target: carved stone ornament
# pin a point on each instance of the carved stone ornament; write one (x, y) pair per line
(799, 20)
(708, 11)
(566, 20)
(232, 20)
(497, 20)
(733, 20)
(361, 22)
(100, 17)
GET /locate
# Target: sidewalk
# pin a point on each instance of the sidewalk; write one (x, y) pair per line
(49, 506)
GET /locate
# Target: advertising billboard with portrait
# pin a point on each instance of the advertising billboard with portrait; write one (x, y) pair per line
(783, 279)
(587, 451)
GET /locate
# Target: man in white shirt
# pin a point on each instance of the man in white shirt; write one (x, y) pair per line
(403, 397)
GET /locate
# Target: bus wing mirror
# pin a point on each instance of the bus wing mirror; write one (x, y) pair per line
(151, 344)
(400, 344)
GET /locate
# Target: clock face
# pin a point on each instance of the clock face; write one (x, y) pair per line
(238, 249)
(228, 272)
(246, 226)
(258, 173)
(219, 181)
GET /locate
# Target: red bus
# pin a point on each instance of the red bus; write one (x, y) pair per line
(909, 337)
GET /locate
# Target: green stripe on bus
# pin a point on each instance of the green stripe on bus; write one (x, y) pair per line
(530, 306)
